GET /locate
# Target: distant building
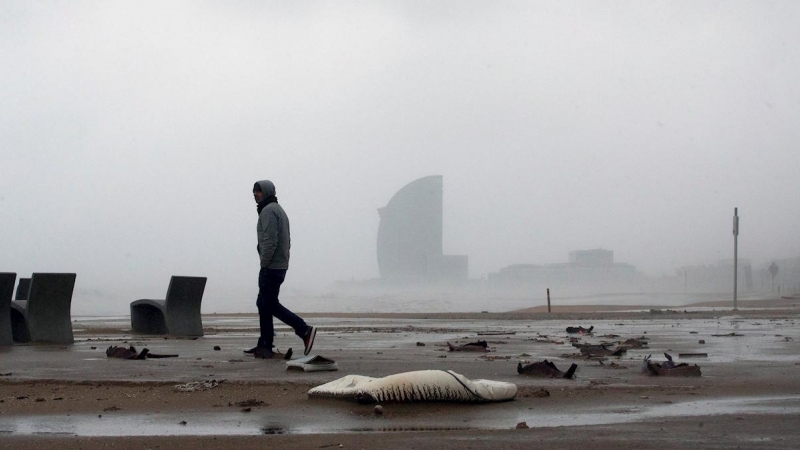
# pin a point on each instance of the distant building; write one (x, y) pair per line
(410, 237)
(586, 270)
(592, 258)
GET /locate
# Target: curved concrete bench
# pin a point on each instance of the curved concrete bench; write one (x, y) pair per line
(178, 314)
(7, 280)
(45, 315)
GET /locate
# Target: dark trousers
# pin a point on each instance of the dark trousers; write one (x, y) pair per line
(269, 286)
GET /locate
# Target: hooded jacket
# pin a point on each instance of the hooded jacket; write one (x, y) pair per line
(273, 231)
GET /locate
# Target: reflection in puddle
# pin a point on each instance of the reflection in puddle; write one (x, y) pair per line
(199, 424)
(410, 428)
(748, 405)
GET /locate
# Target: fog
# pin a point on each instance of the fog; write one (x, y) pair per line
(132, 133)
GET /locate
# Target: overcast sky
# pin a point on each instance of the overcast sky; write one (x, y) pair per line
(132, 132)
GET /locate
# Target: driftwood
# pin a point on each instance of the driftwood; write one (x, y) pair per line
(480, 346)
(546, 369)
(131, 353)
(669, 369)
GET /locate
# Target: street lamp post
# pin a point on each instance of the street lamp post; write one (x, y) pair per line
(735, 254)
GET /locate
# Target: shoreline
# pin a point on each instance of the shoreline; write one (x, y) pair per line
(74, 397)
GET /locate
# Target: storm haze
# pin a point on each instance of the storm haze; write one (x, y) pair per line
(132, 133)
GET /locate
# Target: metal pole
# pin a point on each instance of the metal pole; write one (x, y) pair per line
(735, 254)
(548, 300)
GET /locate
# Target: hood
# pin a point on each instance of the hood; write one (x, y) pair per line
(266, 187)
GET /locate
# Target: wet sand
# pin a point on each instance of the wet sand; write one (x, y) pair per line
(748, 396)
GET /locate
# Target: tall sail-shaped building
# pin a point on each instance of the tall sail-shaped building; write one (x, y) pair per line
(410, 236)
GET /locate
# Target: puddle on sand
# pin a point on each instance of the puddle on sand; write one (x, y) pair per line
(746, 405)
(204, 424)
(195, 424)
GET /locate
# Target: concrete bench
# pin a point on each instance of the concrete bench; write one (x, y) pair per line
(23, 289)
(45, 315)
(178, 314)
(7, 280)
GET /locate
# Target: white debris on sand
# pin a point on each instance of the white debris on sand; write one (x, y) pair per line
(196, 386)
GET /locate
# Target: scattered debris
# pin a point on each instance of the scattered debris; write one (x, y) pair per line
(692, 355)
(157, 355)
(480, 346)
(196, 386)
(217, 348)
(131, 353)
(248, 403)
(546, 340)
(494, 358)
(522, 426)
(545, 368)
(420, 344)
(315, 363)
(580, 330)
(701, 341)
(728, 335)
(495, 333)
(593, 350)
(7, 374)
(126, 353)
(669, 368)
(378, 410)
(112, 408)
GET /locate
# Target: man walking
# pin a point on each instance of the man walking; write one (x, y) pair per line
(273, 248)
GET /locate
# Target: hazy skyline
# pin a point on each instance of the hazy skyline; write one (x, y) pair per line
(132, 133)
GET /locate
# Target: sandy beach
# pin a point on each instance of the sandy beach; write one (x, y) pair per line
(747, 397)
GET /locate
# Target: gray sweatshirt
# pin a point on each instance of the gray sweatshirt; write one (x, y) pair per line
(273, 232)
